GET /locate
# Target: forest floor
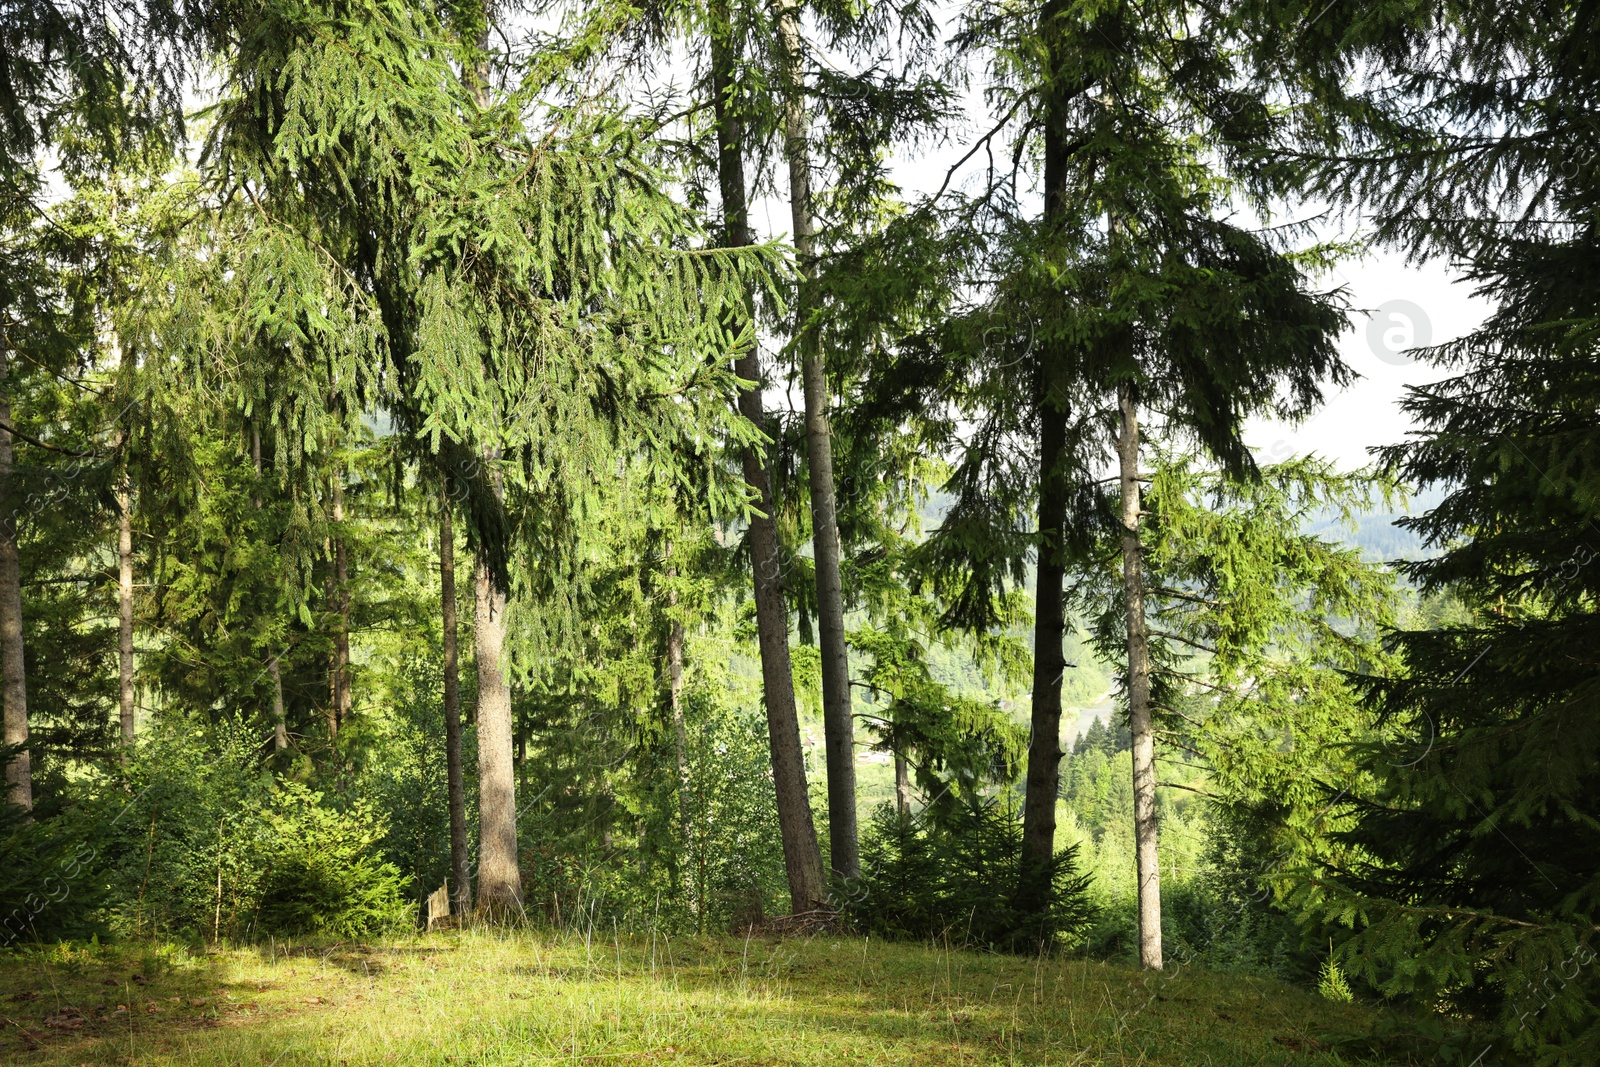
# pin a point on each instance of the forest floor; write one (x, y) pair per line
(523, 999)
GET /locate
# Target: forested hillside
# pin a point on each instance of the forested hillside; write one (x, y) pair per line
(483, 479)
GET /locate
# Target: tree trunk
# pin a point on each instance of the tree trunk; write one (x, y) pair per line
(19, 774)
(680, 733)
(1144, 751)
(1049, 663)
(1049, 623)
(125, 702)
(460, 858)
(838, 720)
(902, 786)
(499, 878)
(341, 585)
(801, 856)
(125, 606)
(330, 594)
(280, 726)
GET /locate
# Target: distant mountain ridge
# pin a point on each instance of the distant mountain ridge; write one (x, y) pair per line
(1376, 534)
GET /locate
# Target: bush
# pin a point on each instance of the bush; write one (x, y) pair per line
(322, 875)
(200, 842)
(949, 874)
(597, 852)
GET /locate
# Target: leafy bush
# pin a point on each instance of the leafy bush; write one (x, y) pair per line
(200, 842)
(322, 873)
(948, 874)
(593, 857)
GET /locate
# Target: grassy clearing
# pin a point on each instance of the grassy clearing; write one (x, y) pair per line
(485, 1000)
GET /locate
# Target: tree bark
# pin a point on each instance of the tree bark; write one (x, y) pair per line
(1139, 718)
(838, 719)
(19, 773)
(680, 733)
(902, 786)
(499, 877)
(341, 585)
(125, 606)
(801, 856)
(125, 701)
(330, 595)
(1049, 663)
(1049, 624)
(280, 726)
(460, 858)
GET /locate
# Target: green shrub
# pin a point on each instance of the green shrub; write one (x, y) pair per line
(949, 874)
(322, 873)
(199, 841)
(595, 853)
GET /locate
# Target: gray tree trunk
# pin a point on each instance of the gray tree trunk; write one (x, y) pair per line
(280, 726)
(499, 877)
(680, 732)
(19, 774)
(460, 857)
(1144, 766)
(801, 856)
(838, 720)
(902, 786)
(341, 636)
(125, 705)
(499, 874)
(1049, 664)
(1049, 622)
(330, 595)
(125, 695)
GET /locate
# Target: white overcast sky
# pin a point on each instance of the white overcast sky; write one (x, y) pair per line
(1410, 304)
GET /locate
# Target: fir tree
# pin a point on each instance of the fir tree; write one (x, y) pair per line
(523, 298)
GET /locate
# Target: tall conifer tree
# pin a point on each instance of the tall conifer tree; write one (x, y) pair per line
(529, 297)
(1128, 296)
(1466, 132)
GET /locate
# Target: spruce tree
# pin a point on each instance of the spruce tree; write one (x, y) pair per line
(1131, 295)
(1471, 141)
(526, 304)
(802, 856)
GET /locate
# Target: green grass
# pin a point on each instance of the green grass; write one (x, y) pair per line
(520, 999)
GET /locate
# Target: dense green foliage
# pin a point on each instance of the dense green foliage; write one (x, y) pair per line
(932, 877)
(416, 281)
